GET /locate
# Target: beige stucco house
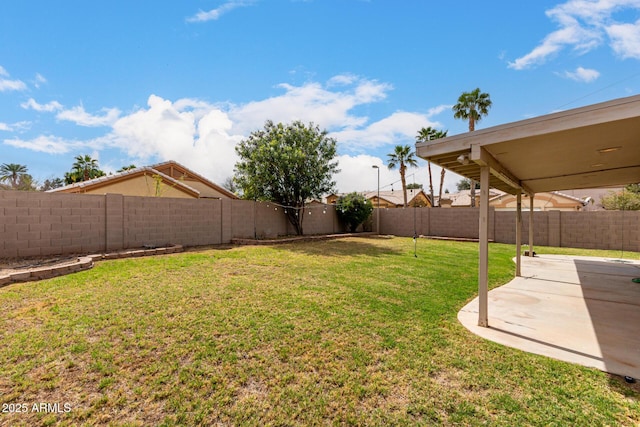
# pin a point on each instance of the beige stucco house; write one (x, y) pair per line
(546, 201)
(168, 179)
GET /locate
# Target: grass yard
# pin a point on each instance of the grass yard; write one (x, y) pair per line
(355, 331)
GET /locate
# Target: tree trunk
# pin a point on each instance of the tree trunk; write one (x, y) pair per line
(295, 217)
(404, 184)
(441, 184)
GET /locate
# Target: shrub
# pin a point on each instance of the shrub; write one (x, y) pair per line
(353, 209)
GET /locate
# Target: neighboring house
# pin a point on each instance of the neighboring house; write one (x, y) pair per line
(553, 201)
(168, 179)
(390, 199)
(592, 196)
(462, 199)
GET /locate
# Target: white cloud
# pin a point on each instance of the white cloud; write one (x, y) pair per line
(166, 130)
(216, 13)
(80, 117)
(399, 126)
(7, 84)
(39, 80)
(625, 39)
(583, 25)
(582, 75)
(31, 104)
(14, 126)
(311, 102)
(203, 136)
(46, 144)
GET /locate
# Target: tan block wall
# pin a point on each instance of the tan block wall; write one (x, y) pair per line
(616, 230)
(43, 224)
(505, 223)
(160, 221)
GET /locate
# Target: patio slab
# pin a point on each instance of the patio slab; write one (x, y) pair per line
(583, 310)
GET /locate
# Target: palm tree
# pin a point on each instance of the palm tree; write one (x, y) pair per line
(86, 167)
(402, 157)
(429, 134)
(472, 106)
(12, 172)
(126, 168)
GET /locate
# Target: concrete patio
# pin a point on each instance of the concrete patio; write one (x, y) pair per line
(584, 310)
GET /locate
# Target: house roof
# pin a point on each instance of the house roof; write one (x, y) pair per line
(551, 193)
(463, 197)
(588, 147)
(206, 187)
(159, 170)
(392, 197)
(395, 197)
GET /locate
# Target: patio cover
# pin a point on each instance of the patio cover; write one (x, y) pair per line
(593, 146)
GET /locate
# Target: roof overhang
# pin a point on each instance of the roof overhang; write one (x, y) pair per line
(587, 147)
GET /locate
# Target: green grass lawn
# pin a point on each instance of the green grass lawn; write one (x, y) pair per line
(355, 331)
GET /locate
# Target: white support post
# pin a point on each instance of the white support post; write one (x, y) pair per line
(531, 225)
(483, 261)
(518, 234)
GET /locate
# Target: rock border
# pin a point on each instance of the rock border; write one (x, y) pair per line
(82, 263)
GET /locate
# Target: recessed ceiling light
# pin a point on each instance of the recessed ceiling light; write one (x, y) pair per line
(608, 149)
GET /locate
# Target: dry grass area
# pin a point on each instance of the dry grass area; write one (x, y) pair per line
(342, 332)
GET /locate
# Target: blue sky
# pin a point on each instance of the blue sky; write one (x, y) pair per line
(149, 81)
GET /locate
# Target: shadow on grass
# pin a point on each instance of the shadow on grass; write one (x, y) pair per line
(341, 247)
(629, 390)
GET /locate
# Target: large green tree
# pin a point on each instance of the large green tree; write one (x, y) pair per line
(288, 164)
(429, 134)
(401, 158)
(12, 172)
(472, 106)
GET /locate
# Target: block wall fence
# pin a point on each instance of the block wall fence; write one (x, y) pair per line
(44, 224)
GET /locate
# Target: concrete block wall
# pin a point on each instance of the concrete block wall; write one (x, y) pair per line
(321, 219)
(40, 224)
(459, 222)
(505, 223)
(603, 230)
(43, 224)
(160, 221)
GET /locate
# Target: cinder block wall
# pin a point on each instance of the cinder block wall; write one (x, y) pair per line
(43, 224)
(160, 221)
(505, 223)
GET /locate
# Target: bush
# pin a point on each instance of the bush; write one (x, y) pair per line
(353, 209)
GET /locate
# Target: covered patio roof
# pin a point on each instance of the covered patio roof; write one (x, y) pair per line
(593, 146)
(588, 147)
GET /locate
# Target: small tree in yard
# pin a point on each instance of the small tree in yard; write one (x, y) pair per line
(627, 200)
(353, 209)
(288, 165)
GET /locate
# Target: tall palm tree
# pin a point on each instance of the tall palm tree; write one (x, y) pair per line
(472, 106)
(429, 134)
(87, 167)
(12, 172)
(402, 157)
